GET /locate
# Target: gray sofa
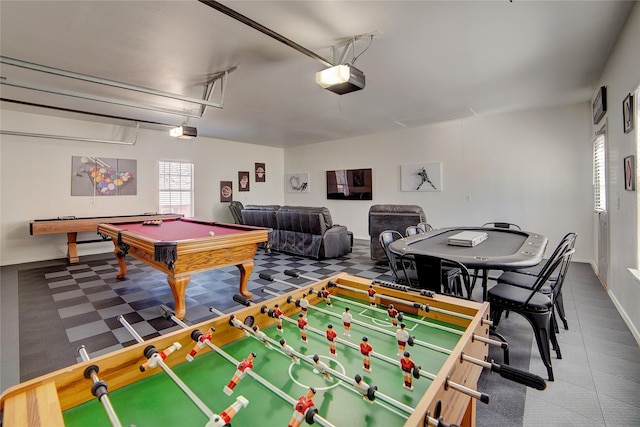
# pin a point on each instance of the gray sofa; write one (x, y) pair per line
(300, 230)
(391, 217)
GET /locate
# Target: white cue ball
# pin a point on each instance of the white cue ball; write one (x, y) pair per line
(211, 233)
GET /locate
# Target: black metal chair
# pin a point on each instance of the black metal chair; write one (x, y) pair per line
(402, 269)
(424, 227)
(534, 305)
(525, 278)
(236, 211)
(454, 276)
(412, 230)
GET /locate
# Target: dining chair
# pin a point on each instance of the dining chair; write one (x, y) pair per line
(534, 305)
(424, 227)
(412, 230)
(401, 268)
(526, 277)
(454, 276)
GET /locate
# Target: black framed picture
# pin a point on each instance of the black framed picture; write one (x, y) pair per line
(627, 114)
(243, 181)
(629, 173)
(599, 105)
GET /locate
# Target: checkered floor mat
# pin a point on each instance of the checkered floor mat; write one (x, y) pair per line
(80, 304)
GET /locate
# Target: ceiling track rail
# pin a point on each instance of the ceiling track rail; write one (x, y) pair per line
(112, 83)
(72, 138)
(256, 26)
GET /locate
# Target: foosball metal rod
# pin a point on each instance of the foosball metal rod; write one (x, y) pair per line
(264, 382)
(99, 388)
(194, 398)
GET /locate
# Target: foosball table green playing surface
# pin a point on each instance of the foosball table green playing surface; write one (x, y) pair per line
(421, 368)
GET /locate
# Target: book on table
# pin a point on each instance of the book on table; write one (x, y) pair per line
(468, 238)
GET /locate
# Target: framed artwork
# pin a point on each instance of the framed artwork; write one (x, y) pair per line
(261, 172)
(226, 191)
(297, 182)
(627, 114)
(426, 177)
(629, 173)
(100, 176)
(599, 105)
(243, 181)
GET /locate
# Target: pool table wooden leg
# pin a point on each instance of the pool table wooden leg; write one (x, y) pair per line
(122, 263)
(245, 273)
(178, 287)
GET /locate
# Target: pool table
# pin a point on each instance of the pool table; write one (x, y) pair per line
(181, 247)
(64, 397)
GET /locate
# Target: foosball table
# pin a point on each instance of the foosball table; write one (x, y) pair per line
(276, 364)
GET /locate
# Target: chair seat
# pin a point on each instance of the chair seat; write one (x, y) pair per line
(514, 297)
(524, 281)
(535, 270)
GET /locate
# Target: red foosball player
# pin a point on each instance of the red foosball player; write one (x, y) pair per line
(304, 408)
(243, 367)
(331, 337)
(407, 366)
(347, 318)
(304, 305)
(302, 325)
(365, 350)
(201, 340)
(277, 314)
(154, 358)
(321, 368)
(402, 336)
(224, 418)
(326, 295)
(261, 336)
(393, 314)
(372, 296)
(288, 350)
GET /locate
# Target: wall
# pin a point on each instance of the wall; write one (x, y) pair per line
(531, 168)
(622, 76)
(35, 177)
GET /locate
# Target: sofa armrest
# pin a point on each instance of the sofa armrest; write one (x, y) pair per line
(337, 241)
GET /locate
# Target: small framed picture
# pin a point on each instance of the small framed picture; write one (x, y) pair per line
(629, 173)
(243, 181)
(226, 191)
(627, 114)
(599, 105)
(261, 172)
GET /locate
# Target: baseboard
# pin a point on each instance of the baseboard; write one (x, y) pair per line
(625, 317)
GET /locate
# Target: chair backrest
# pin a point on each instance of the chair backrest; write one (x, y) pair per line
(500, 224)
(424, 227)
(412, 230)
(236, 211)
(386, 238)
(445, 263)
(559, 264)
(566, 243)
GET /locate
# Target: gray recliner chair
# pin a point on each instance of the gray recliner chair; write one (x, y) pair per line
(391, 217)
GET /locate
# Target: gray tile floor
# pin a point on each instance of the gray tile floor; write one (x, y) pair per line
(597, 380)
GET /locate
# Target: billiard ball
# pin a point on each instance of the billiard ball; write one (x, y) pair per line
(211, 233)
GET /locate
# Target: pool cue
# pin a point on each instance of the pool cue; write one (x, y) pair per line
(194, 398)
(301, 356)
(316, 417)
(99, 388)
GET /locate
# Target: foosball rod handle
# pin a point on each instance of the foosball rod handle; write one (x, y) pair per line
(99, 388)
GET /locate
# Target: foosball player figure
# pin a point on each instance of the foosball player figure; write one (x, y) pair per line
(201, 340)
(347, 318)
(368, 392)
(224, 418)
(261, 336)
(233, 321)
(243, 367)
(402, 336)
(331, 337)
(277, 314)
(326, 295)
(302, 325)
(365, 350)
(288, 350)
(393, 314)
(304, 409)
(154, 358)
(321, 368)
(409, 370)
(304, 305)
(372, 296)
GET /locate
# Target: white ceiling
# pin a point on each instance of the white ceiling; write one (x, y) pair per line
(430, 60)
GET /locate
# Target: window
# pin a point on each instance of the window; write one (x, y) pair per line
(176, 188)
(599, 174)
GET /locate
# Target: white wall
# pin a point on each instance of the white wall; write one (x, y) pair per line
(622, 76)
(531, 168)
(35, 175)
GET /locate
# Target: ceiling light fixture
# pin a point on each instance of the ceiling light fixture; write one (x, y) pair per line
(184, 132)
(341, 79)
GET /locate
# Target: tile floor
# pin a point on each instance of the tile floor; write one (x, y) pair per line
(51, 308)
